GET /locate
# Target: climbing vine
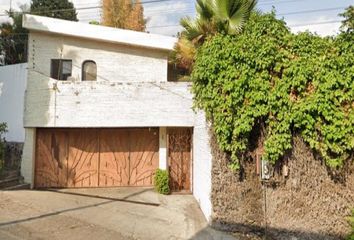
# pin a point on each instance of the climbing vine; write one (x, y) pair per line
(292, 83)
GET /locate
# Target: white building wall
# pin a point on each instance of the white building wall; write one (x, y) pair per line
(12, 89)
(51, 103)
(28, 156)
(115, 62)
(202, 163)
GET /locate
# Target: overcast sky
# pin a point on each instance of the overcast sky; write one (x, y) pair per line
(164, 16)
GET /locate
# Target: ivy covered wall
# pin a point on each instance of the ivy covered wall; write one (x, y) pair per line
(290, 83)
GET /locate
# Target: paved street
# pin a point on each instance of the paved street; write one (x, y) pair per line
(109, 213)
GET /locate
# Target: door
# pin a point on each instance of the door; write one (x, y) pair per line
(96, 157)
(128, 157)
(180, 158)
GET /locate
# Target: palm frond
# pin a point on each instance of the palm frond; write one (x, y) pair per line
(204, 10)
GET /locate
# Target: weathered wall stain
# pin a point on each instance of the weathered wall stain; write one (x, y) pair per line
(307, 204)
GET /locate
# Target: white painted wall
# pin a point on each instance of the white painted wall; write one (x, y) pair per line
(12, 89)
(202, 163)
(97, 32)
(163, 148)
(115, 62)
(28, 156)
(51, 103)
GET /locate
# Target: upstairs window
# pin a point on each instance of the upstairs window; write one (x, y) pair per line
(60, 69)
(89, 71)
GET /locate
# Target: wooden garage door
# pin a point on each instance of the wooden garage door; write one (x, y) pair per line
(96, 157)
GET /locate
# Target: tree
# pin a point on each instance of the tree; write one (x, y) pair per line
(62, 9)
(13, 42)
(213, 16)
(348, 22)
(126, 14)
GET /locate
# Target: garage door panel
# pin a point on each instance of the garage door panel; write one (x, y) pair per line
(114, 157)
(83, 158)
(51, 155)
(143, 156)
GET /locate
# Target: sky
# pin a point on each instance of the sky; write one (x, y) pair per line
(318, 16)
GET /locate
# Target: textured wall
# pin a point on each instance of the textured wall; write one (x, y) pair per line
(202, 160)
(51, 103)
(306, 204)
(28, 156)
(12, 89)
(115, 62)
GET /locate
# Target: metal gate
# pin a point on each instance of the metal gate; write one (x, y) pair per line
(180, 158)
(96, 157)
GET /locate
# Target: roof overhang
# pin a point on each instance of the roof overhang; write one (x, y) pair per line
(98, 33)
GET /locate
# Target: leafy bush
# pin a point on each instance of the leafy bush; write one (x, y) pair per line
(161, 181)
(291, 83)
(3, 128)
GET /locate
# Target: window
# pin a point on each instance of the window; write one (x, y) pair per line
(60, 69)
(89, 71)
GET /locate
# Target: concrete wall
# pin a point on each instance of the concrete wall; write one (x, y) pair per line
(202, 162)
(51, 103)
(115, 62)
(12, 89)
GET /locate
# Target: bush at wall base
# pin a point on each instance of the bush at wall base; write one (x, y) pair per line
(161, 181)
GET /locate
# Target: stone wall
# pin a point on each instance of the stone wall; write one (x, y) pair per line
(309, 202)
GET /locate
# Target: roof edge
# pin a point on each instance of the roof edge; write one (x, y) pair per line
(98, 33)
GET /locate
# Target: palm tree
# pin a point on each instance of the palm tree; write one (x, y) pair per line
(213, 16)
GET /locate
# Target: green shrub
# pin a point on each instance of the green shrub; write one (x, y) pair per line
(3, 129)
(161, 181)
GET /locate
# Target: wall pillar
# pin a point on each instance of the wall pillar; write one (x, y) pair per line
(163, 148)
(28, 156)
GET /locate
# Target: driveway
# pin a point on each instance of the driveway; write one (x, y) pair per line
(109, 213)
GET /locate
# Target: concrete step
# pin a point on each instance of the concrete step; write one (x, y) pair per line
(18, 187)
(10, 181)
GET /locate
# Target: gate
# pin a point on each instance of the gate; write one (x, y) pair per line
(179, 158)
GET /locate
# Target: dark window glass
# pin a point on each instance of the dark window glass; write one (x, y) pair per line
(60, 69)
(89, 71)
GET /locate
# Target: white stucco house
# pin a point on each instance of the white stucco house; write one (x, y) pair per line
(100, 111)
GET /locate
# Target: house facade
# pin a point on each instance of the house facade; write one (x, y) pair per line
(100, 111)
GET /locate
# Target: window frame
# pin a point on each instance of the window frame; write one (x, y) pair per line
(83, 73)
(60, 76)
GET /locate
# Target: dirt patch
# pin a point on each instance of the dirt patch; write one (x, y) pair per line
(305, 202)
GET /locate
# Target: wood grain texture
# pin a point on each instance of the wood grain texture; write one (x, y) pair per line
(180, 158)
(96, 157)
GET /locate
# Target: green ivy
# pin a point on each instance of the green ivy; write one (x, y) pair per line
(293, 83)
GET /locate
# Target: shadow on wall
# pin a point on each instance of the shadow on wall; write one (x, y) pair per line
(307, 203)
(260, 233)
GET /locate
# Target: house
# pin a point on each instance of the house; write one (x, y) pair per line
(100, 111)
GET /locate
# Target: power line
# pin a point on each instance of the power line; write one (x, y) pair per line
(314, 23)
(311, 11)
(82, 8)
